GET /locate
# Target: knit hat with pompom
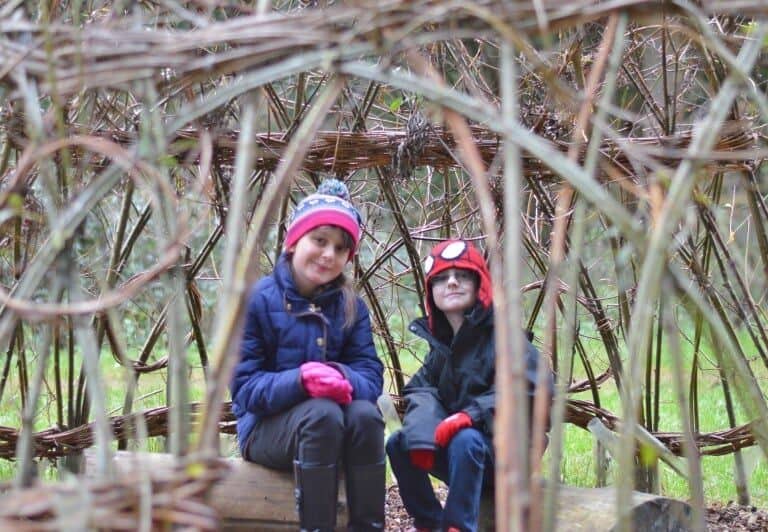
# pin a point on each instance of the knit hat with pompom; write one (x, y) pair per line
(330, 205)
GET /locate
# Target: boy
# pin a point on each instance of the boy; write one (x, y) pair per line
(450, 402)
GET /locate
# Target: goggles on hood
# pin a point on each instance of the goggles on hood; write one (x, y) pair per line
(452, 251)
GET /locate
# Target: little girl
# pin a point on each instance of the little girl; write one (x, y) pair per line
(304, 391)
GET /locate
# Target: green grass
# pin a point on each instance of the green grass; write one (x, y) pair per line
(150, 393)
(577, 468)
(578, 463)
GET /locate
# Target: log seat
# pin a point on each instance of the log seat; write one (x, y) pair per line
(252, 497)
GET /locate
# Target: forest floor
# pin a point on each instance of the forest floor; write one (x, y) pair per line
(720, 517)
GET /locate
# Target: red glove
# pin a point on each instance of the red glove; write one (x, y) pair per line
(448, 427)
(322, 380)
(423, 458)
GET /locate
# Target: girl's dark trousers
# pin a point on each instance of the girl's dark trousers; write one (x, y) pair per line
(315, 438)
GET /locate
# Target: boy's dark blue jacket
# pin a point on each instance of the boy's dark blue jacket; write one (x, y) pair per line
(459, 375)
(282, 331)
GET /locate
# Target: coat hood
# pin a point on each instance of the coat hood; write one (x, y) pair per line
(455, 254)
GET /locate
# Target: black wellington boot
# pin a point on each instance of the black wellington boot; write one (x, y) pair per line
(316, 496)
(365, 497)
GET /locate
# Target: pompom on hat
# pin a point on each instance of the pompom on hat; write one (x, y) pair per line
(330, 205)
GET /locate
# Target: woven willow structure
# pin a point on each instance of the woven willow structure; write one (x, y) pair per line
(607, 156)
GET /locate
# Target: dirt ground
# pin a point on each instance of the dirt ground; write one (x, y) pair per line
(736, 517)
(720, 518)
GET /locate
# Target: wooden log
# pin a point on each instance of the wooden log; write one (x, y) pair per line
(594, 510)
(250, 497)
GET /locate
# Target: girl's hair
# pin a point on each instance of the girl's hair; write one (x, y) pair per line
(349, 296)
(348, 293)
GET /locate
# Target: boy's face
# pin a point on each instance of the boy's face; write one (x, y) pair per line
(454, 290)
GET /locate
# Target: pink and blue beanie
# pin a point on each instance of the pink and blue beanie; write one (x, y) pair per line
(330, 205)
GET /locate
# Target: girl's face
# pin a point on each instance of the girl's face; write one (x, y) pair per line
(318, 258)
(454, 290)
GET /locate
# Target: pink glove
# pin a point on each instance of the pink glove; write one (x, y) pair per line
(322, 380)
(448, 427)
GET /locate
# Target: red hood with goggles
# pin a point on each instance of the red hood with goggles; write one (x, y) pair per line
(457, 254)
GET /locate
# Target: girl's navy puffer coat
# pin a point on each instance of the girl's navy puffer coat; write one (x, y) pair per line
(282, 331)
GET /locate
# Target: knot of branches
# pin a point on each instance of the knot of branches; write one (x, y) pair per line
(604, 324)
(408, 151)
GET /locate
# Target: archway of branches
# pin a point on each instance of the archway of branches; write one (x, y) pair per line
(607, 158)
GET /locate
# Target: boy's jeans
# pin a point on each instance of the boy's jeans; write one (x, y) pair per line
(462, 466)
